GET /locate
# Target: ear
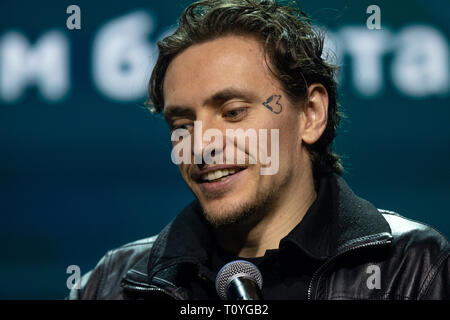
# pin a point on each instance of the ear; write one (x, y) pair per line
(315, 113)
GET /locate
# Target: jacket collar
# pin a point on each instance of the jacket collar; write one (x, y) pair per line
(336, 220)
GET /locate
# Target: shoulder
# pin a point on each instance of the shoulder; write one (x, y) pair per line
(134, 248)
(422, 253)
(103, 282)
(413, 233)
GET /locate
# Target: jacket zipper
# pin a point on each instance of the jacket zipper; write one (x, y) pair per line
(329, 261)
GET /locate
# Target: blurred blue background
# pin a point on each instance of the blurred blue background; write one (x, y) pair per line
(85, 168)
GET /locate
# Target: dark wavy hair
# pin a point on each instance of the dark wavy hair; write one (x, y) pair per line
(292, 45)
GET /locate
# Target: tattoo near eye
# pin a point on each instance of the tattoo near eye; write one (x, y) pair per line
(274, 106)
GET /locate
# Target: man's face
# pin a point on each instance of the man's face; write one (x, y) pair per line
(226, 84)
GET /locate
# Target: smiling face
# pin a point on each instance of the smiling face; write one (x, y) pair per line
(225, 84)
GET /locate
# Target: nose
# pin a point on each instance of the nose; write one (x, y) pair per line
(209, 142)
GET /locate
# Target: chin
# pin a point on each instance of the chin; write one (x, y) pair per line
(224, 211)
(246, 210)
(220, 209)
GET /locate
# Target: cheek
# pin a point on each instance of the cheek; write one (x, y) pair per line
(184, 170)
(289, 139)
(276, 142)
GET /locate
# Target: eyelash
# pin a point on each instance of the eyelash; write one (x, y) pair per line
(241, 112)
(181, 126)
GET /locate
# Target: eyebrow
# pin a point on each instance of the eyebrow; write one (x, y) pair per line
(217, 98)
(230, 93)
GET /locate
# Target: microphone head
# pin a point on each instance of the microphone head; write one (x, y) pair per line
(236, 269)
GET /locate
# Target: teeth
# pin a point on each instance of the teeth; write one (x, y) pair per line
(214, 175)
(218, 174)
(210, 176)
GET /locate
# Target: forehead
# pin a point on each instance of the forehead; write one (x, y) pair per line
(202, 69)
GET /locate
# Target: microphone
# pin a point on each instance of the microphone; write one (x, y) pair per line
(239, 280)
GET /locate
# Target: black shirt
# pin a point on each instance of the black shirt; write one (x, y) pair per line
(285, 276)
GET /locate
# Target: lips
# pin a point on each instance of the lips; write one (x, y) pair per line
(217, 178)
(215, 173)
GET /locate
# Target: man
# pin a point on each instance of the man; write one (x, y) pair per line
(256, 65)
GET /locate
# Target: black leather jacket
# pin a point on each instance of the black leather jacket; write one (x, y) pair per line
(411, 259)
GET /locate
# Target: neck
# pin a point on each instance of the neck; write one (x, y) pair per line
(252, 239)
